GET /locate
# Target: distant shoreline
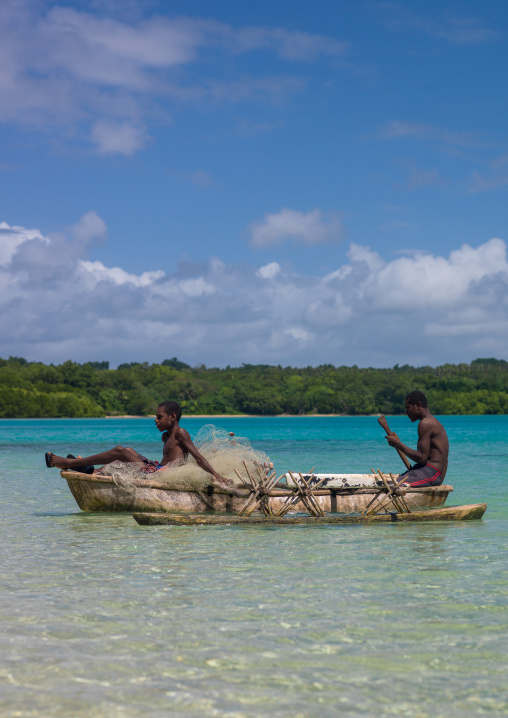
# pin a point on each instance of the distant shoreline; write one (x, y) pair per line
(93, 390)
(242, 416)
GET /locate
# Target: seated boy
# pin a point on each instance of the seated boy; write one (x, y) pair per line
(177, 446)
(431, 453)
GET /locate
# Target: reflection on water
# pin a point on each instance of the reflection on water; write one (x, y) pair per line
(102, 617)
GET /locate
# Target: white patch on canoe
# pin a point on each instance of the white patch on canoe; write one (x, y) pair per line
(340, 481)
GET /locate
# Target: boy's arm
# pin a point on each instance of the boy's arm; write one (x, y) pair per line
(184, 439)
(421, 453)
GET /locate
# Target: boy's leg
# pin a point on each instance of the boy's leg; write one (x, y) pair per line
(119, 453)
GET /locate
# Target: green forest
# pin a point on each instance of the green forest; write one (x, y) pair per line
(33, 389)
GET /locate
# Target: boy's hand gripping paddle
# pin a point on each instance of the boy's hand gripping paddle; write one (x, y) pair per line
(384, 424)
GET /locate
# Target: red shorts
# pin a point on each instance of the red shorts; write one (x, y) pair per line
(150, 467)
(421, 475)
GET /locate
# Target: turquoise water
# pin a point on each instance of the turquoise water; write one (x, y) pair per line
(102, 617)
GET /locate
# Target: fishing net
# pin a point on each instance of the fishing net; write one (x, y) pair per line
(227, 454)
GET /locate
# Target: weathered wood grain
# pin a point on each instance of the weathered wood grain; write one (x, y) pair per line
(451, 513)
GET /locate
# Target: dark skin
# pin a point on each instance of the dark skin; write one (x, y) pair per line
(177, 445)
(432, 447)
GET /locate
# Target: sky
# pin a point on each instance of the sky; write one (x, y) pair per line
(291, 182)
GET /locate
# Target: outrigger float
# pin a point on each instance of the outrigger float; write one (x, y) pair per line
(450, 513)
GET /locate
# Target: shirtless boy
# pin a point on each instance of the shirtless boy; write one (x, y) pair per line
(431, 453)
(177, 445)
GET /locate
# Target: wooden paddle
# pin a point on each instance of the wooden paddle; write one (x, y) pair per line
(384, 424)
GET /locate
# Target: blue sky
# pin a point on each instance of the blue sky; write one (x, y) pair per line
(292, 182)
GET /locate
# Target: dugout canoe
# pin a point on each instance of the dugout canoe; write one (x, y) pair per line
(449, 513)
(94, 492)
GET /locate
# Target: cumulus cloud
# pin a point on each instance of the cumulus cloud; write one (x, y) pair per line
(12, 237)
(445, 282)
(45, 260)
(94, 272)
(306, 227)
(58, 303)
(269, 271)
(103, 78)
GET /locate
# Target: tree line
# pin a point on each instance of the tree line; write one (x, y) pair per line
(33, 389)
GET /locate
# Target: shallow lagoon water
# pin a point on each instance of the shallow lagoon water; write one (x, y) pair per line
(102, 617)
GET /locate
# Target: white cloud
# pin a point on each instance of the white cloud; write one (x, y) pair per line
(467, 329)
(421, 177)
(109, 51)
(480, 183)
(118, 137)
(197, 287)
(90, 228)
(103, 78)
(306, 227)
(430, 282)
(397, 129)
(94, 272)
(269, 271)
(457, 30)
(291, 45)
(339, 274)
(48, 259)
(358, 254)
(201, 179)
(301, 335)
(12, 237)
(56, 303)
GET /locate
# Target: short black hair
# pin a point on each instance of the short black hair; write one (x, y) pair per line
(415, 396)
(171, 407)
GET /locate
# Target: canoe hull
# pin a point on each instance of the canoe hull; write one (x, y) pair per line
(101, 493)
(451, 513)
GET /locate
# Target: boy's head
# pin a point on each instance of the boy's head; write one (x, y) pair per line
(417, 396)
(171, 407)
(416, 405)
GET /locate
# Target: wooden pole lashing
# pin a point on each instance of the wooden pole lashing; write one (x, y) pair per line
(395, 500)
(385, 500)
(374, 498)
(311, 498)
(401, 496)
